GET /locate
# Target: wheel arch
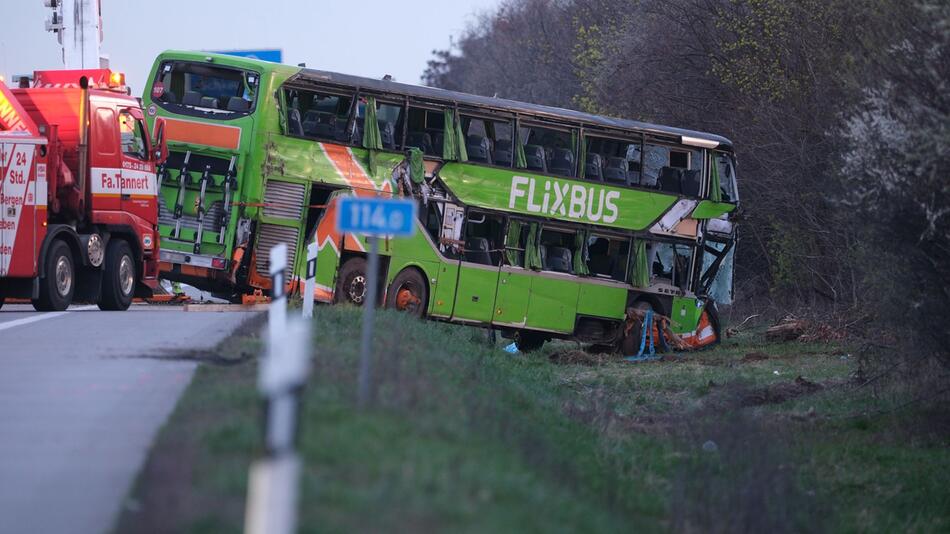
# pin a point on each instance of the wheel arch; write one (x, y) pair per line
(61, 232)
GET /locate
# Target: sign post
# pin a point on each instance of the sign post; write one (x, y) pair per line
(375, 218)
(273, 485)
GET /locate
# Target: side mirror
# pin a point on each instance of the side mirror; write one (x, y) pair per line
(160, 145)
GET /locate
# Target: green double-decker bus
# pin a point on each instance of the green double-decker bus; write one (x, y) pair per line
(536, 221)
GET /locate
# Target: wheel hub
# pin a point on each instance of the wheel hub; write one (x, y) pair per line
(64, 276)
(126, 275)
(406, 299)
(357, 289)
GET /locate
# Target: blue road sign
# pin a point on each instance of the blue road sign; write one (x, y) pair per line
(376, 216)
(275, 55)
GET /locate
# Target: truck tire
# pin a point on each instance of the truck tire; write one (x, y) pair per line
(351, 285)
(118, 277)
(59, 284)
(408, 293)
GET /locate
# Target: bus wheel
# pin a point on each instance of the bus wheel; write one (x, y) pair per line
(528, 341)
(630, 344)
(351, 286)
(57, 288)
(408, 293)
(118, 277)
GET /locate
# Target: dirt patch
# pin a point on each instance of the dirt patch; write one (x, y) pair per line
(754, 357)
(780, 392)
(580, 357)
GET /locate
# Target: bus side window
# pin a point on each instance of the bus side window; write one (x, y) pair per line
(484, 239)
(425, 131)
(607, 257)
(317, 114)
(487, 141)
(557, 251)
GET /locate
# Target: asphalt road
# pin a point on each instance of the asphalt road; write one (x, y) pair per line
(82, 395)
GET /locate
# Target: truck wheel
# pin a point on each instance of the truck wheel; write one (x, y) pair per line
(408, 293)
(528, 341)
(351, 286)
(59, 284)
(118, 277)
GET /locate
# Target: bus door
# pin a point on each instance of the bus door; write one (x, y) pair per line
(514, 281)
(554, 291)
(478, 267)
(447, 220)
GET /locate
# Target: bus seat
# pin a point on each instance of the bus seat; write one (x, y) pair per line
(691, 183)
(169, 97)
(478, 149)
(387, 134)
(669, 181)
(477, 250)
(420, 140)
(616, 170)
(634, 177)
(503, 152)
(294, 124)
(559, 259)
(209, 102)
(192, 98)
(236, 103)
(534, 157)
(339, 131)
(437, 140)
(562, 162)
(593, 167)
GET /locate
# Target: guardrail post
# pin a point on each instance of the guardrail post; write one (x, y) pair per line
(273, 486)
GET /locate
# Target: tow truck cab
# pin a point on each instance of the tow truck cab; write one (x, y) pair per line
(89, 167)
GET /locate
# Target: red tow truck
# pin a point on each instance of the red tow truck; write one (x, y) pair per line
(78, 205)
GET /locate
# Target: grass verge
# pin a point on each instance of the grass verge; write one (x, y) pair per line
(465, 437)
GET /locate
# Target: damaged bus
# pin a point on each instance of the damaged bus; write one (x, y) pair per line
(536, 221)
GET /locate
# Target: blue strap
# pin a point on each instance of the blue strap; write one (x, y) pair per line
(644, 334)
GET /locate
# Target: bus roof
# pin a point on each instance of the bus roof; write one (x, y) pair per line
(687, 137)
(502, 104)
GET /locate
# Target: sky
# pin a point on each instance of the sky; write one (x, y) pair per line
(367, 38)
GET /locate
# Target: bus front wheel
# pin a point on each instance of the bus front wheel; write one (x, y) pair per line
(408, 293)
(351, 285)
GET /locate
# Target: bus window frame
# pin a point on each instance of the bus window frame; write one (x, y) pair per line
(483, 116)
(383, 98)
(314, 90)
(427, 107)
(180, 108)
(534, 121)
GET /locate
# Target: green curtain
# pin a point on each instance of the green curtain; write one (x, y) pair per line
(715, 192)
(520, 161)
(532, 257)
(580, 253)
(372, 141)
(371, 137)
(512, 242)
(460, 138)
(417, 170)
(453, 143)
(639, 268)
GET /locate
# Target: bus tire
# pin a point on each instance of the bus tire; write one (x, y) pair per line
(408, 293)
(351, 285)
(59, 284)
(630, 344)
(118, 277)
(528, 341)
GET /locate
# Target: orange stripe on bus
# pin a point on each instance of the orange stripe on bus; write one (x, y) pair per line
(197, 133)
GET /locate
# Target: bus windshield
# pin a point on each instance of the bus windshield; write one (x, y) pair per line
(202, 90)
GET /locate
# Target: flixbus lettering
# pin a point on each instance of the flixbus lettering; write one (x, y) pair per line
(574, 201)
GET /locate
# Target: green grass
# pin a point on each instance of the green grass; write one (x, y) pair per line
(465, 437)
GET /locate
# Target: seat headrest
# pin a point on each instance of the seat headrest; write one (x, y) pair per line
(192, 98)
(617, 163)
(236, 103)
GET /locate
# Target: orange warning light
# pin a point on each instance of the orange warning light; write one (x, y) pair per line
(116, 79)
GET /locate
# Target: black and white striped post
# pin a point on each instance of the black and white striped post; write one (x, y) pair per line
(274, 480)
(310, 281)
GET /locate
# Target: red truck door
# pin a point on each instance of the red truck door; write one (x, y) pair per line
(19, 204)
(104, 159)
(138, 185)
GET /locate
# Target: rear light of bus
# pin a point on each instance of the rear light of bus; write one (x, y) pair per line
(218, 263)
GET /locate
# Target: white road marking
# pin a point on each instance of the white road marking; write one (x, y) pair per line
(35, 318)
